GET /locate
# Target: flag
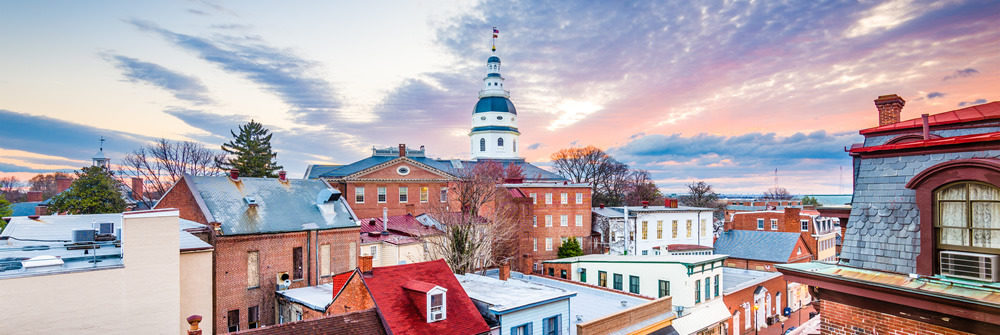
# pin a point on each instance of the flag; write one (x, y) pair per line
(494, 35)
(495, 31)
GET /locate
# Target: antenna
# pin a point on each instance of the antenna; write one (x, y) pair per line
(102, 143)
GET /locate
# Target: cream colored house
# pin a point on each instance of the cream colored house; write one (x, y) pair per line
(131, 273)
(398, 240)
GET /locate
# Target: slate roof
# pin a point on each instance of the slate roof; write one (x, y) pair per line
(400, 224)
(985, 111)
(24, 208)
(531, 172)
(281, 206)
(366, 322)
(349, 169)
(768, 246)
(386, 287)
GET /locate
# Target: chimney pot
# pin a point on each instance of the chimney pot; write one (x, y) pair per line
(889, 108)
(234, 174)
(371, 222)
(602, 206)
(645, 204)
(282, 175)
(402, 150)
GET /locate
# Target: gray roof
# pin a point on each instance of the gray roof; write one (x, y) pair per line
(316, 297)
(768, 246)
(633, 210)
(530, 171)
(349, 169)
(508, 295)
(316, 170)
(738, 279)
(295, 205)
(24, 208)
(671, 259)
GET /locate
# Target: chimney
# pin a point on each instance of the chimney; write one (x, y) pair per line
(62, 184)
(385, 219)
(137, 191)
(234, 174)
(505, 271)
(670, 203)
(402, 150)
(792, 223)
(365, 264)
(889, 108)
(35, 196)
(371, 222)
(41, 210)
(282, 175)
(645, 204)
(421, 148)
(927, 129)
(194, 320)
(602, 206)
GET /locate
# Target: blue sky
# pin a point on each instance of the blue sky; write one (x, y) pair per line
(722, 91)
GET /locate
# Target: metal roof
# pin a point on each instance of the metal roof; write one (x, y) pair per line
(349, 169)
(494, 104)
(668, 259)
(985, 111)
(316, 297)
(738, 279)
(280, 206)
(768, 246)
(24, 208)
(530, 171)
(506, 296)
(316, 170)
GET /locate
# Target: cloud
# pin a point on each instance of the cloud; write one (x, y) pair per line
(972, 103)
(197, 12)
(961, 74)
(749, 148)
(534, 146)
(933, 95)
(182, 86)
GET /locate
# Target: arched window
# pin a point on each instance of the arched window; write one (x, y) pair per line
(777, 303)
(736, 321)
(968, 217)
(482, 144)
(500, 142)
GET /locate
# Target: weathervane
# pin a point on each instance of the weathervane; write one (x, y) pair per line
(102, 143)
(495, 33)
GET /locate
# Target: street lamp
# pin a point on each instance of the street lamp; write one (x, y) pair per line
(756, 320)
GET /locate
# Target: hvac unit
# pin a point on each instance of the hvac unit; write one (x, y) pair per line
(283, 280)
(83, 235)
(969, 265)
(105, 228)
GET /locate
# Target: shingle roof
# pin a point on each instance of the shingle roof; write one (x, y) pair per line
(349, 169)
(768, 246)
(281, 206)
(386, 287)
(24, 208)
(364, 322)
(316, 170)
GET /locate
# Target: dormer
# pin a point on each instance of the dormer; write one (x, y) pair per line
(429, 299)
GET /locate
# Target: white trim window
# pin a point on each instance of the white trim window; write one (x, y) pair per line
(774, 224)
(579, 198)
(563, 220)
(760, 224)
(548, 198)
(381, 195)
(444, 193)
(403, 193)
(534, 220)
(548, 220)
(534, 243)
(437, 304)
(548, 244)
(359, 195)
(424, 194)
(579, 220)
(534, 198)
(564, 199)
(805, 225)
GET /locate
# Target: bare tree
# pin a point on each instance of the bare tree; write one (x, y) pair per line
(46, 183)
(639, 187)
(10, 189)
(777, 193)
(609, 179)
(162, 163)
(700, 194)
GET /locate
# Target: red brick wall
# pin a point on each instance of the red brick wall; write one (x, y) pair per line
(372, 208)
(353, 297)
(556, 268)
(840, 319)
(556, 232)
(275, 255)
(734, 301)
(180, 197)
(789, 221)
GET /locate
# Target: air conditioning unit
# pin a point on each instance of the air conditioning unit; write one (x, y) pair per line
(437, 315)
(969, 265)
(83, 235)
(105, 228)
(283, 280)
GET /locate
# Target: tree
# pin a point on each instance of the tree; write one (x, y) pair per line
(46, 183)
(810, 201)
(640, 187)
(613, 183)
(10, 189)
(94, 191)
(5, 210)
(700, 194)
(162, 163)
(571, 248)
(777, 193)
(250, 152)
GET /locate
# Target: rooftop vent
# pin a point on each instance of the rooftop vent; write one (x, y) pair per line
(83, 235)
(371, 222)
(250, 201)
(327, 195)
(624, 303)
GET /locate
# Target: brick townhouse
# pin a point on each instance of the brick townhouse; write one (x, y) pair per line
(552, 214)
(266, 230)
(818, 233)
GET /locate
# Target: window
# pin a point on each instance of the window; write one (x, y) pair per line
(548, 244)
(359, 195)
(437, 308)
(760, 224)
(579, 220)
(645, 232)
(403, 192)
(583, 275)
(297, 263)
(659, 230)
(444, 193)
(774, 224)
(524, 329)
(424, 194)
(674, 229)
(253, 317)
(515, 141)
(381, 195)
(324, 260)
(805, 225)
(563, 221)
(534, 243)
(697, 291)
(253, 269)
(602, 279)
(373, 251)
(708, 284)
(233, 320)
(548, 198)
(704, 227)
(534, 198)
(716, 285)
(562, 274)
(645, 252)
(534, 220)
(298, 316)
(633, 284)
(482, 144)
(968, 217)
(688, 228)
(564, 199)
(500, 140)
(579, 198)
(618, 281)
(550, 326)
(548, 220)
(552, 272)
(664, 288)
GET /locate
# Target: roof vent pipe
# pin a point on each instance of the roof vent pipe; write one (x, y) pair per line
(234, 174)
(385, 219)
(645, 204)
(283, 175)
(927, 130)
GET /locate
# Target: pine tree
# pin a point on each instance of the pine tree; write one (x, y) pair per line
(250, 152)
(93, 192)
(570, 248)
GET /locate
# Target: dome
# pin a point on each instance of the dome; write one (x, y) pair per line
(493, 59)
(494, 104)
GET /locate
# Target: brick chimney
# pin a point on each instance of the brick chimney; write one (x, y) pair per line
(505, 271)
(645, 204)
(194, 320)
(41, 210)
(402, 150)
(35, 196)
(283, 175)
(234, 174)
(889, 108)
(670, 203)
(365, 264)
(792, 223)
(137, 189)
(62, 184)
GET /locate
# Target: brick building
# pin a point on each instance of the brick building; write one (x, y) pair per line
(818, 233)
(761, 250)
(757, 301)
(921, 249)
(552, 213)
(264, 231)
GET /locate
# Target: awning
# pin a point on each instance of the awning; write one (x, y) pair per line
(701, 317)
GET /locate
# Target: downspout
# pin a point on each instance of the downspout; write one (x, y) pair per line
(308, 251)
(699, 228)
(625, 232)
(316, 247)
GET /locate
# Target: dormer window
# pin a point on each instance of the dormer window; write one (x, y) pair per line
(436, 307)
(429, 299)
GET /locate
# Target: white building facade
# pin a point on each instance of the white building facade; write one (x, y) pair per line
(494, 132)
(652, 230)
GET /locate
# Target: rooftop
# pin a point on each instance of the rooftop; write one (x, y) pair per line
(670, 259)
(768, 246)
(315, 297)
(968, 114)
(738, 279)
(506, 296)
(366, 322)
(634, 210)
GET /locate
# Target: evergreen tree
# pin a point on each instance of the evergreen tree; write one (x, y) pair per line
(571, 248)
(93, 192)
(250, 152)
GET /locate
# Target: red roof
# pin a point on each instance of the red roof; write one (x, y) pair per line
(516, 192)
(402, 224)
(386, 285)
(340, 280)
(968, 114)
(934, 142)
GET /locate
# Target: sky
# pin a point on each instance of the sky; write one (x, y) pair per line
(740, 94)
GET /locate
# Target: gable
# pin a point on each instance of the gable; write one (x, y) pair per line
(349, 296)
(800, 251)
(391, 170)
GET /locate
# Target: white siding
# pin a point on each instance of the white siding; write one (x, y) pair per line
(535, 315)
(681, 285)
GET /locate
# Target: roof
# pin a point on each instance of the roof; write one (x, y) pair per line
(505, 296)
(768, 246)
(405, 225)
(493, 59)
(294, 205)
(634, 210)
(24, 208)
(985, 111)
(190, 242)
(316, 170)
(562, 184)
(366, 322)
(316, 297)
(934, 142)
(531, 172)
(386, 287)
(700, 317)
(494, 104)
(738, 279)
(679, 247)
(349, 169)
(664, 259)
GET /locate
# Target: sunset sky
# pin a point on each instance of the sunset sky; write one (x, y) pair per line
(721, 91)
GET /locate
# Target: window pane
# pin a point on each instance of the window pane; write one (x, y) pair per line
(955, 236)
(983, 192)
(986, 214)
(953, 214)
(956, 192)
(297, 263)
(986, 238)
